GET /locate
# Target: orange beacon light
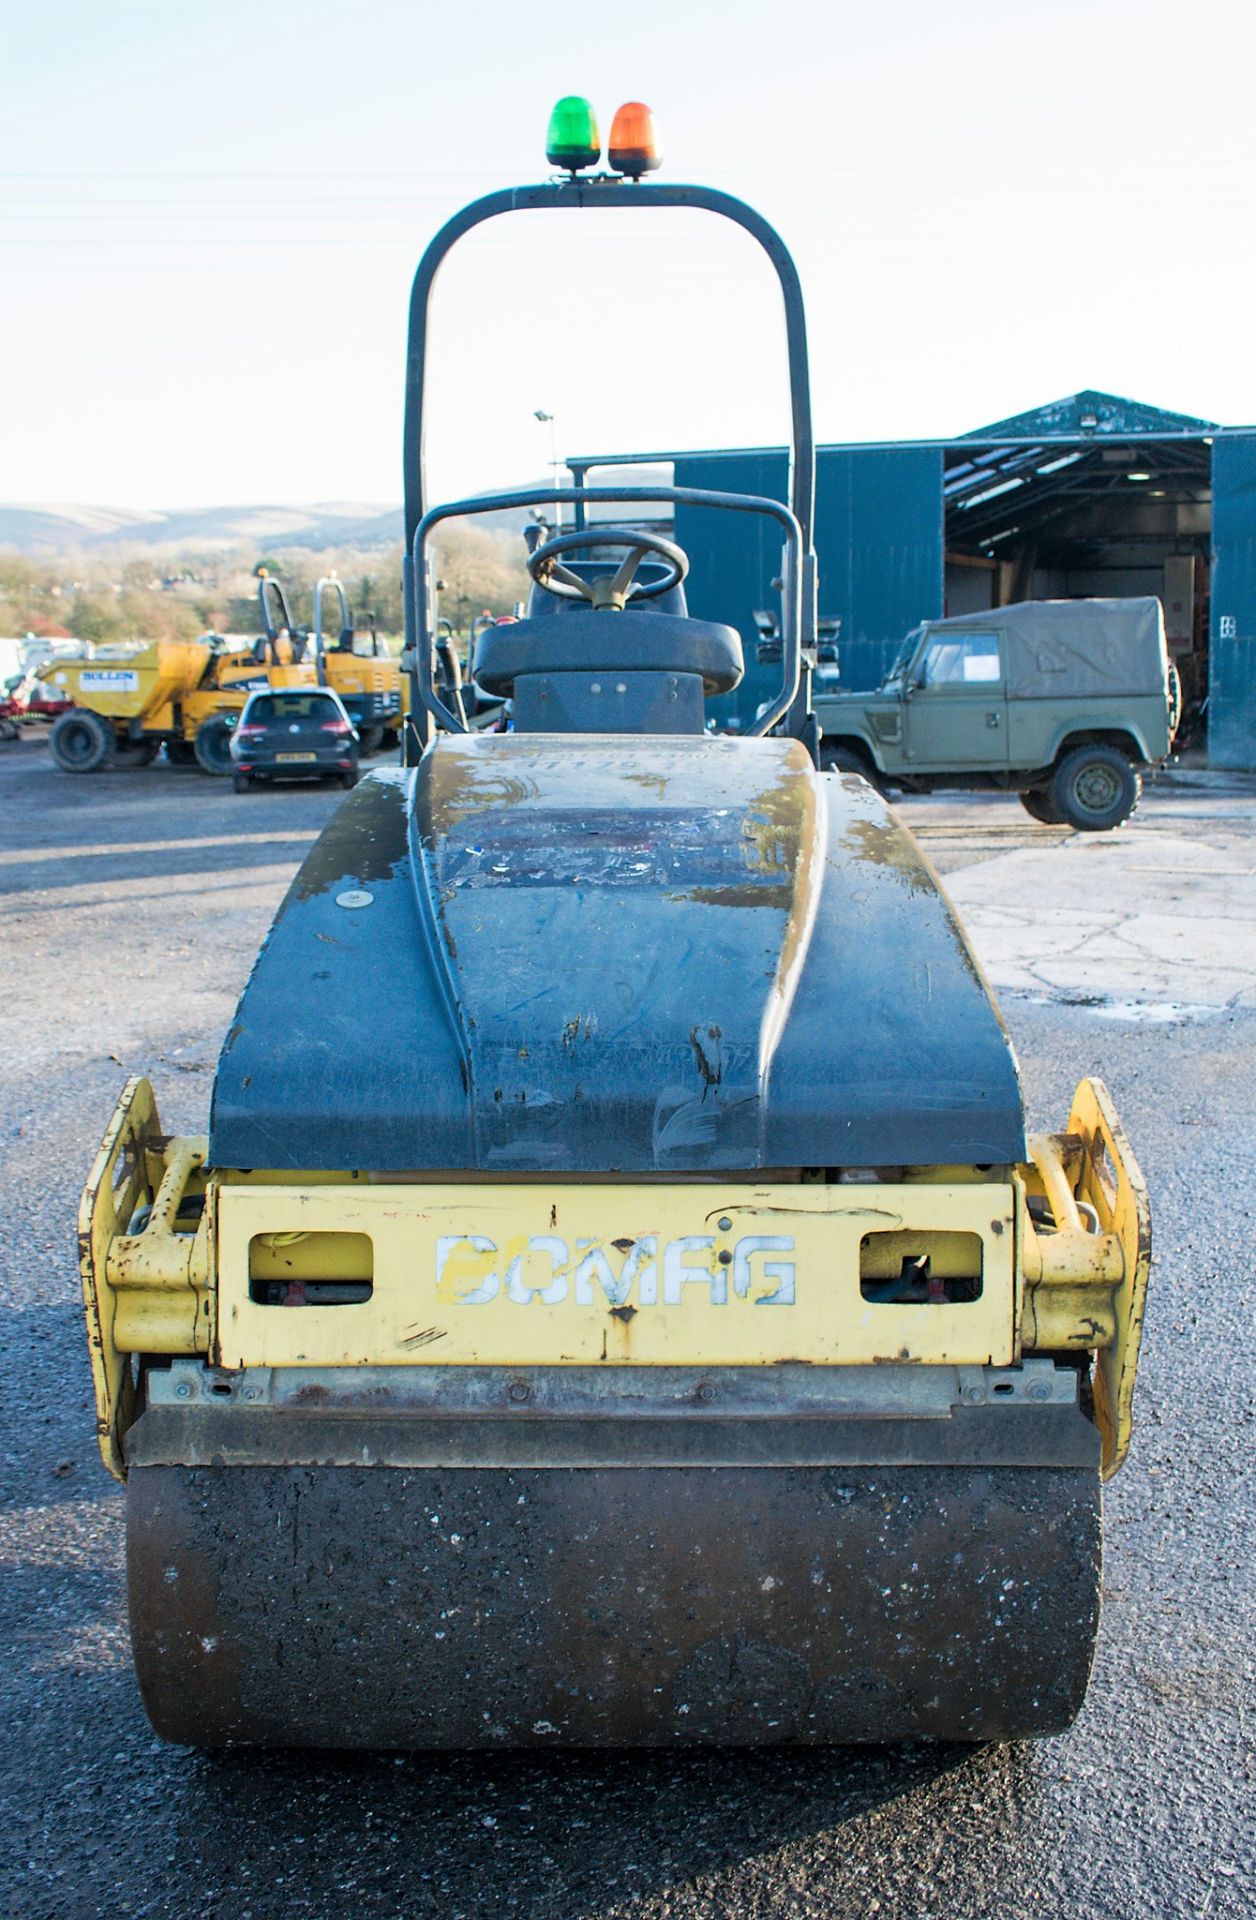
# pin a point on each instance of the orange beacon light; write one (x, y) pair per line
(633, 147)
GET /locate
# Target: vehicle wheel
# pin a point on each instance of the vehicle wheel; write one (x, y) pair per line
(348, 779)
(371, 739)
(180, 753)
(241, 782)
(136, 753)
(1095, 788)
(835, 759)
(81, 742)
(213, 745)
(1039, 805)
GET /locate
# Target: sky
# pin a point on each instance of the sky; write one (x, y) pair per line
(210, 216)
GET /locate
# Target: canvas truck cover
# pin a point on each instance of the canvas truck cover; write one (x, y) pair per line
(1076, 648)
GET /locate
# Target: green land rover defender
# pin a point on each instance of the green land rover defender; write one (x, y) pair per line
(1061, 701)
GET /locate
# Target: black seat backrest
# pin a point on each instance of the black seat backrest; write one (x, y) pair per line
(572, 668)
(586, 641)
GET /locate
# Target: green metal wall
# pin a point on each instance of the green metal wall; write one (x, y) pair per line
(878, 541)
(1232, 640)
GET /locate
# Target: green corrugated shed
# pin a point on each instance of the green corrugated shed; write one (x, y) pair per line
(885, 514)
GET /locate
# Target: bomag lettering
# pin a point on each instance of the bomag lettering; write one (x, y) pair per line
(542, 1269)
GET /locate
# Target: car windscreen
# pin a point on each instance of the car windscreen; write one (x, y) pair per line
(271, 708)
(903, 657)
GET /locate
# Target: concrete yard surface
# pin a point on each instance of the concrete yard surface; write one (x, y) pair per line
(1154, 920)
(131, 907)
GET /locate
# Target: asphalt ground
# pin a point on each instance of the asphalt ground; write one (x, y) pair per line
(131, 906)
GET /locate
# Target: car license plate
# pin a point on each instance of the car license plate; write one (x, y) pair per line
(286, 759)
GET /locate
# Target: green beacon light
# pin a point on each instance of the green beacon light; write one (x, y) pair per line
(573, 140)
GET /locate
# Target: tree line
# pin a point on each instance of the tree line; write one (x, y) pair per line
(127, 593)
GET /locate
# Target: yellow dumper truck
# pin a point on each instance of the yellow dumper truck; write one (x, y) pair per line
(183, 694)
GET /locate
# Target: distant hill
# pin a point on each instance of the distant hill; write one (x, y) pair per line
(364, 527)
(54, 528)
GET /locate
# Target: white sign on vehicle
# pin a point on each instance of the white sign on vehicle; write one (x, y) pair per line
(110, 680)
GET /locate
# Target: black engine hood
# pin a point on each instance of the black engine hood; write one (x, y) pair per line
(614, 954)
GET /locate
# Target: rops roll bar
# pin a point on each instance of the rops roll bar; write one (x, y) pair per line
(346, 619)
(268, 589)
(425, 612)
(603, 193)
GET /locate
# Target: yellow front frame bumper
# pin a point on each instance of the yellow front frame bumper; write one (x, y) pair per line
(724, 1272)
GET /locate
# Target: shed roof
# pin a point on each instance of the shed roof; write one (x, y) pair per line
(1042, 473)
(1082, 415)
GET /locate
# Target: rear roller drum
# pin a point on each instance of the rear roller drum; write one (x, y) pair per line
(453, 1608)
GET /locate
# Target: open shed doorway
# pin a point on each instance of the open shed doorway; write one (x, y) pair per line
(1094, 497)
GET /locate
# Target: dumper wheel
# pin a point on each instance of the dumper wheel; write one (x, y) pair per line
(213, 745)
(81, 742)
(136, 753)
(180, 753)
(1095, 788)
(1039, 805)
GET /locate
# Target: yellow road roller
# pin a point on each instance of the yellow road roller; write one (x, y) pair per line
(673, 1336)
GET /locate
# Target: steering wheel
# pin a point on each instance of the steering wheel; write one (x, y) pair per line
(609, 592)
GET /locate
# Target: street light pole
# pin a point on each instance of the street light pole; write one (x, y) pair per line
(547, 420)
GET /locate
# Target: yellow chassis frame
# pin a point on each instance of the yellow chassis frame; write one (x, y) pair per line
(669, 1273)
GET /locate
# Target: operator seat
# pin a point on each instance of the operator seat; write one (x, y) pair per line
(572, 668)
